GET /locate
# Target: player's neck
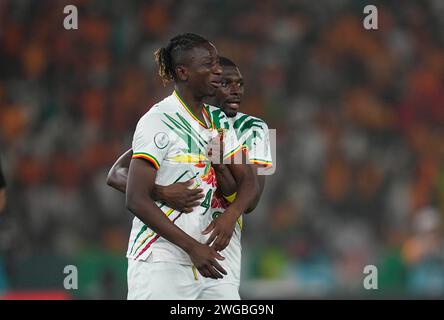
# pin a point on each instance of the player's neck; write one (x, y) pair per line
(194, 103)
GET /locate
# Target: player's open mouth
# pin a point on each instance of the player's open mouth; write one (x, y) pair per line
(215, 84)
(233, 104)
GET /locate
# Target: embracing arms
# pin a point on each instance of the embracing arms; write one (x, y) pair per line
(177, 196)
(140, 184)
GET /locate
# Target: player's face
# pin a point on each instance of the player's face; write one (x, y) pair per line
(229, 94)
(204, 70)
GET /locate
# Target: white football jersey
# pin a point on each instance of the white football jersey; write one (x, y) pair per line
(253, 135)
(175, 141)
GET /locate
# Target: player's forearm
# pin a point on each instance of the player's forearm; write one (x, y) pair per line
(117, 178)
(225, 180)
(147, 211)
(260, 183)
(158, 193)
(118, 174)
(247, 190)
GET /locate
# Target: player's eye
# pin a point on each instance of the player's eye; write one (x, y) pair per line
(224, 84)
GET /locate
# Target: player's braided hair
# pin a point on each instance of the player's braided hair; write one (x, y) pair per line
(168, 57)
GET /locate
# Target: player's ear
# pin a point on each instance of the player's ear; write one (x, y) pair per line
(182, 73)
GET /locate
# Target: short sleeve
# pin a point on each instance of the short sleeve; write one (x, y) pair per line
(258, 143)
(151, 140)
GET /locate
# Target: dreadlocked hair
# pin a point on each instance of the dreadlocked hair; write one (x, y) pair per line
(169, 57)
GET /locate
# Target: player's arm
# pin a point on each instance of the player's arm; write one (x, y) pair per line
(141, 177)
(225, 180)
(248, 187)
(118, 174)
(177, 196)
(222, 228)
(261, 183)
(259, 157)
(228, 184)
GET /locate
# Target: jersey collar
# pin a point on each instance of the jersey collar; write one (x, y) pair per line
(191, 113)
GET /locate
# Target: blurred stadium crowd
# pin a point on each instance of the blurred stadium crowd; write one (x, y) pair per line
(360, 139)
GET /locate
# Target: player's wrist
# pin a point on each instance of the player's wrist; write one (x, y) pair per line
(233, 213)
(189, 245)
(158, 192)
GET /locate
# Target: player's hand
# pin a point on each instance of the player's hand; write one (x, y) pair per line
(205, 259)
(179, 196)
(221, 229)
(215, 148)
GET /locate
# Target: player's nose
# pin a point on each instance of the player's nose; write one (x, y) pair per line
(235, 90)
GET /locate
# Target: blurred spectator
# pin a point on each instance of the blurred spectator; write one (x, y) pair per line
(2, 190)
(3, 283)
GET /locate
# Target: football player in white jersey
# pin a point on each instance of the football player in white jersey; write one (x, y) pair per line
(170, 145)
(253, 132)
